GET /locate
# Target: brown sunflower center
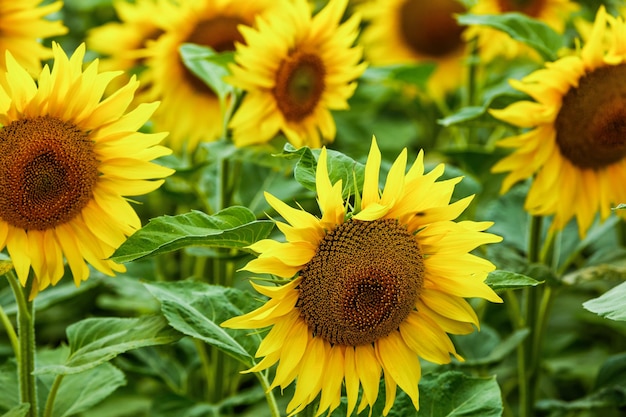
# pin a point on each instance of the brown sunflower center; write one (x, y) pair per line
(362, 282)
(220, 34)
(591, 125)
(299, 85)
(429, 27)
(528, 7)
(48, 169)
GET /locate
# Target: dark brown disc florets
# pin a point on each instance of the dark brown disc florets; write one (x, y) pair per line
(362, 282)
(48, 169)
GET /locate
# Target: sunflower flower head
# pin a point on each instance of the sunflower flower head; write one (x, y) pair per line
(24, 23)
(67, 159)
(416, 31)
(149, 36)
(369, 291)
(575, 145)
(295, 68)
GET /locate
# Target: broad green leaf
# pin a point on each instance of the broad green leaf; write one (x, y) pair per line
(10, 398)
(464, 115)
(340, 167)
(197, 309)
(495, 352)
(94, 341)
(455, 394)
(233, 227)
(209, 66)
(17, 411)
(611, 304)
(614, 397)
(507, 280)
(612, 372)
(536, 34)
(79, 392)
(416, 74)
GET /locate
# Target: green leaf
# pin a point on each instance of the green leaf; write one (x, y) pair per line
(620, 206)
(534, 33)
(612, 372)
(233, 227)
(611, 304)
(416, 74)
(94, 341)
(17, 411)
(340, 167)
(614, 397)
(80, 392)
(495, 350)
(209, 66)
(10, 398)
(507, 280)
(464, 115)
(453, 394)
(197, 309)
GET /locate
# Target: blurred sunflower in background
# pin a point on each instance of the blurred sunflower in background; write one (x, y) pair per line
(492, 43)
(416, 31)
(295, 69)
(576, 145)
(23, 24)
(122, 43)
(189, 109)
(67, 161)
(369, 291)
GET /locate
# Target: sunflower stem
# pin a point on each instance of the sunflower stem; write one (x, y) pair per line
(52, 395)
(26, 332)
(269, 394)
(528, 352)
(10, 333)
(207, 371)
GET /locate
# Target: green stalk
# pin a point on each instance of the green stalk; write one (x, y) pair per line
(10, 333)
(269, 394)
(52, 395)
(207, 371)
(26, 332)
(526, 353)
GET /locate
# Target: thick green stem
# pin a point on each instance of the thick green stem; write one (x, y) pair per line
(269, 394)
(527, 355)
(52, 395)
(26, 332)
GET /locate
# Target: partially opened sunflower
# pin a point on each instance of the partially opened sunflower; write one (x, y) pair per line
(575, 147)
(67, 161)
(369, 291)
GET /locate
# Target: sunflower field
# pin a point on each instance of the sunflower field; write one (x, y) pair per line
(266, 208)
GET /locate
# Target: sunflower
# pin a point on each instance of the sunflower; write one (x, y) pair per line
(294, 69)
(23, 24)
(66, 161)
(122, 42)
(416, 31)
(368, 291)
(189, 109)
(492, 42)
(576, 144)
